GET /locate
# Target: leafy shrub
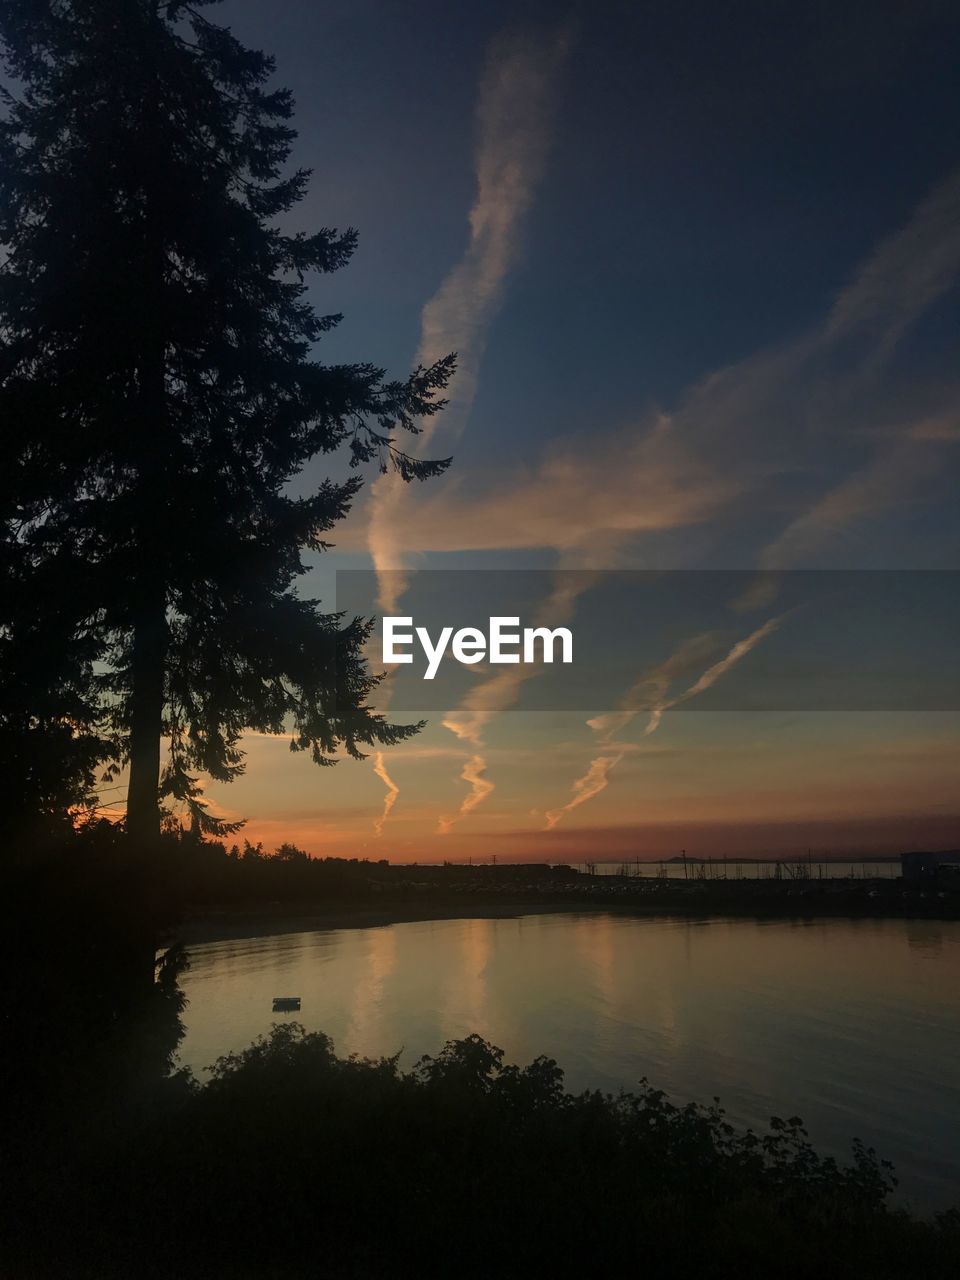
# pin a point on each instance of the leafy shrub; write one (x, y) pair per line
(293, 1161)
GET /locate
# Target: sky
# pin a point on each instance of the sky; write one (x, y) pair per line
(700, 265)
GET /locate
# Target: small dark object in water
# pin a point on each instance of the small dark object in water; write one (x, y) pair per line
(286, 1004)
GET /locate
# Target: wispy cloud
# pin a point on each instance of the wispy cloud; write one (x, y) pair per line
(390, 799)
(909, 271)
(586, 787)
(650, 689)
(788, 426)
(720, 669)
(474, 771)
(649, 695)
(888, 481)
(514, 122)
(803, 432)
(486, 700)
(514, 116)
(637, 481)
(497, 693)
(770, 412)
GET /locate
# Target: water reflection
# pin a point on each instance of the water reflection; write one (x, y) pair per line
(853, 1024)
(925, 937)
(368, 995)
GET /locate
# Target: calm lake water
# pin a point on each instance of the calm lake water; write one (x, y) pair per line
(854, 1025)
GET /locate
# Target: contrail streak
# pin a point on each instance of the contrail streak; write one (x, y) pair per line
(714, 673)
(514, 122)
(390, 799)
(596, 778)
(585, 788)
(480, 787)
(495, 695)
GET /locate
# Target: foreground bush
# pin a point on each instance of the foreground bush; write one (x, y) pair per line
(294, 1162)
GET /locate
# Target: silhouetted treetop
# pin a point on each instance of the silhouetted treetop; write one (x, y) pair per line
(161, 392)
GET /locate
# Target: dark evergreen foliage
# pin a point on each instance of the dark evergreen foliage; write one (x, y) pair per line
(159, 394)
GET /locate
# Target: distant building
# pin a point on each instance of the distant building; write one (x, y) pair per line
(930, 867)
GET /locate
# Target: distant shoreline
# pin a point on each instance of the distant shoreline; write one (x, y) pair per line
(711, 900)
(731, 860)
(247, 922)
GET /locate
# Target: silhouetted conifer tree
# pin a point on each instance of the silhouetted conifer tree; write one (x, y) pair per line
(159, 392)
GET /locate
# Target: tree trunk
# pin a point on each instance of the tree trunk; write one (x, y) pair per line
(150, 634)
(146, 718)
